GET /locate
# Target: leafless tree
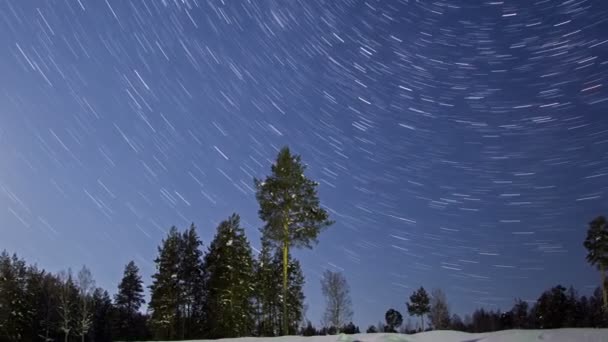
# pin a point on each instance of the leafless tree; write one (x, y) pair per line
(337, 295)
(440, 312)
(86, 286)
(66, 303)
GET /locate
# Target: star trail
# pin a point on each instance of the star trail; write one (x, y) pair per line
(457, 144)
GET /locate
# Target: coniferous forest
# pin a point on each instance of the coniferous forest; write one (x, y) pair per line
(222, 289)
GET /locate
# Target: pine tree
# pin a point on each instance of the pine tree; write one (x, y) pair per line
(295, 294)
(165, 289)
(128, 300)
(419, 304)
(290, 208)
(191, 280)
(228, 282)
(597, 247)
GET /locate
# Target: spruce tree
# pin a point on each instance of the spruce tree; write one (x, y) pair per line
(597, 247)
(191, 281)
(103, 317)
(290, 208)
(165, 289)
(128, 300)
(267, 291)
(13, 304)
(228, 282)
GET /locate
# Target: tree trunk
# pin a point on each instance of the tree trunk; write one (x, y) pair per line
(65, 338)
(604, 289)
(422, 317)
(285, 260)
(82, 338)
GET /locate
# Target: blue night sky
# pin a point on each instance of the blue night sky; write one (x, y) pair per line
(458, 144)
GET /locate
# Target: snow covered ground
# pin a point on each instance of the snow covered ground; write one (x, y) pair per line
(558, 335)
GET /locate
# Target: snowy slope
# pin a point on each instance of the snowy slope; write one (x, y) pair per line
(557, 335)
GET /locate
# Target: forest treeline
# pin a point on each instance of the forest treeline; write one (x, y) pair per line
(224, 290)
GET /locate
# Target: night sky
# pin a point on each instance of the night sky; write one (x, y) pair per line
(458, 144)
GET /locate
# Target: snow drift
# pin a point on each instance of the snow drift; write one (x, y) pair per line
(557, 335)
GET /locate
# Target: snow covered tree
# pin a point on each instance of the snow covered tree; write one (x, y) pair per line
(165, 289)
(191, 277)
(290, 208)
(13, 304)
(419, 304)
(86, 286)
(439, 313)
(68, 298)
(228, 282)
(128, 300)
(338, 308)
(267, 292)
(597, 247)
(371, 329)
(393, 320)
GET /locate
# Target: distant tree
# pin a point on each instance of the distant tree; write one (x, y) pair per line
(165, 289)
(456, 323)
(332, 331)
(128, 300)
(309, 330)
(596, 244)
(290, 208)
(393, 320)
(485, 321)
(86, 286)
(419, 304)
(551, 307)
(371, 330)
(228, 282)
(439, 313)
(350, 329)
(596, 313)
(336, 291)
(520, 314)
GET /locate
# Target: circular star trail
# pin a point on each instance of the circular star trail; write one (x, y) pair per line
(457, 144)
